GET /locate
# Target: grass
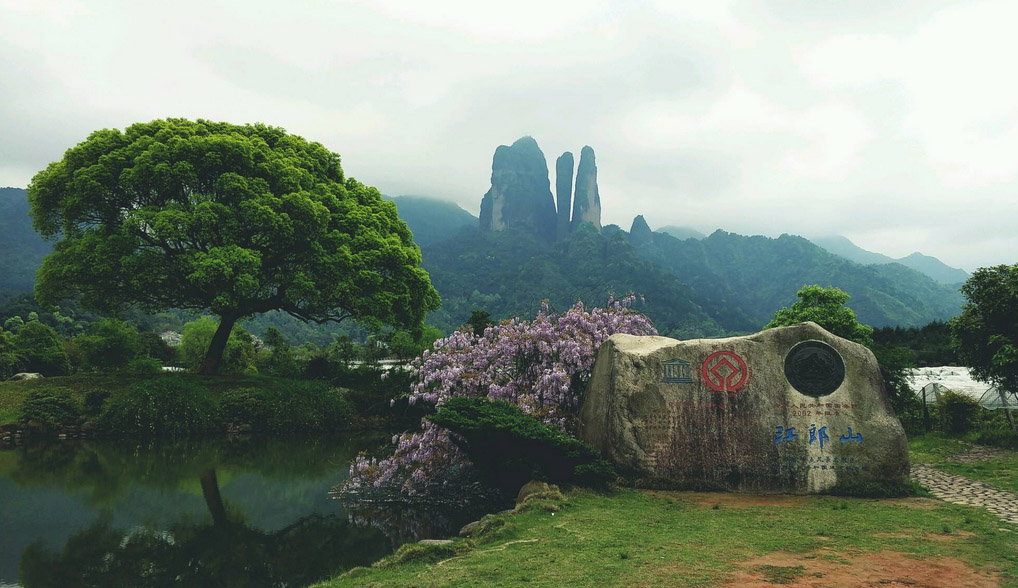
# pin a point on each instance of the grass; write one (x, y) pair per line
(936, 449)
(634, 538)
(12, 394)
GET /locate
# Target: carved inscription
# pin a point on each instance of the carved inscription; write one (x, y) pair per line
(814, 368)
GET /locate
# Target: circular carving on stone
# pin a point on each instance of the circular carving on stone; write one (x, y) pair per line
(814, 368)
(724, 371)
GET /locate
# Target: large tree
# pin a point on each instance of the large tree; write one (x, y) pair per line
(986, 332)
(236, 220)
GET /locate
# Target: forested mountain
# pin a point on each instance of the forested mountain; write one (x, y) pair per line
(21, 248)
(931, 266)
(681, 232)
(693, 287)
(431, 219)
(510, 272)
(759, 275)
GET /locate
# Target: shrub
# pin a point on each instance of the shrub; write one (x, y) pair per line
(109, 344)
(307, 407)
(144, 365)
(51, 408)
(164, 406)
(509, 447)
(289, 407)
(94, 400)
(998, 437)
(41, 350)
(958, 411)
(245, 406)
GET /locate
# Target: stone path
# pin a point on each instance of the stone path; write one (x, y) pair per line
(961, 490)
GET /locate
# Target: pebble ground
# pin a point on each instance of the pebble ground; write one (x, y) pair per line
(961, 490)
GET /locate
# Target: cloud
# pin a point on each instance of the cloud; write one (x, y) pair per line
(891, 123)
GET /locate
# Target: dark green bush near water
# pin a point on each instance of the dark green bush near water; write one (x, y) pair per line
(509, 448)
(52, 408)
(289, 407)
(160, 407)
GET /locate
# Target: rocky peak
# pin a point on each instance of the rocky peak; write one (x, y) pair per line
(563, 190)
(520, 194)
(640, 232)
(586, 201)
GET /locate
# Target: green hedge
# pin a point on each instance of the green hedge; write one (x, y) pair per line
(288, 407)
(509, 447)
(160, 407)
(50, 407)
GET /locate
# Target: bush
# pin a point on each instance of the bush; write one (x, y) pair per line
(310, 407)
(94, 400)
(52, 408)
(109, 344)
(997, 437)
(289, 407)
(41, 350)
(164, 406)
(144, 365)
(245, 406)
(509, 447)
(958, 411)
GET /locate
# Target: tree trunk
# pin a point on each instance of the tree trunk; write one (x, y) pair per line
(213, 499)
(214, 357)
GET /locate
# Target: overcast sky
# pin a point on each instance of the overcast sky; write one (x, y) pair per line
(893, 123)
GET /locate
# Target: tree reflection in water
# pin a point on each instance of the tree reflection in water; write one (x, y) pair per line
(169, 541)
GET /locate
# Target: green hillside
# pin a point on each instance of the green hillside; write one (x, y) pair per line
(21, 248)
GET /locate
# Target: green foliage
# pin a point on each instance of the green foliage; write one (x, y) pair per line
(109, 344)
(958, 411)
(8, 360)
(929, 345)
(826, 307)
(509, 447)
(478, 321)
(160, 407)
(986, 331)
(289, 407)
(41, 350)
(239, 354)
(144, 365)
(51, 407)
(152, 345)
(238, 220)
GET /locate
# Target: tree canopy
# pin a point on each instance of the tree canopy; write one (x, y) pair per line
(986, 332)
(236, 220)
(825, 307)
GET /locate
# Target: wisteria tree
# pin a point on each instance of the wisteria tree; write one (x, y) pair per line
(541, 366)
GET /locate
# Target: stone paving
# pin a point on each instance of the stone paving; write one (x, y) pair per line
(961, 490)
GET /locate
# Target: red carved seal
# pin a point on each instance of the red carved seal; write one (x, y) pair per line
(724, 371)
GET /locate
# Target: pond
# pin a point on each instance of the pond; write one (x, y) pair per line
(225, 512)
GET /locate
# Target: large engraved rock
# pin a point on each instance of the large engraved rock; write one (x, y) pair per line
(790, 409)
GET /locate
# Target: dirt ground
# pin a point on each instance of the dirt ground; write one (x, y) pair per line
(887, 569)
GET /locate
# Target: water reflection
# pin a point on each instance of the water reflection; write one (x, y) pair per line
(199, 513)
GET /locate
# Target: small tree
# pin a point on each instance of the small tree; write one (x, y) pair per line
(41, 350)
(985, 334)
(825, 307)
(8, 360)
(109, 344)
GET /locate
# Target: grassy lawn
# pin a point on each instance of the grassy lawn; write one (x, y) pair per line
(12, 394)
(936, 450)
(634, 538)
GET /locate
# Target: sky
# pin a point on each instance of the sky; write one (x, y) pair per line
(892, 123)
